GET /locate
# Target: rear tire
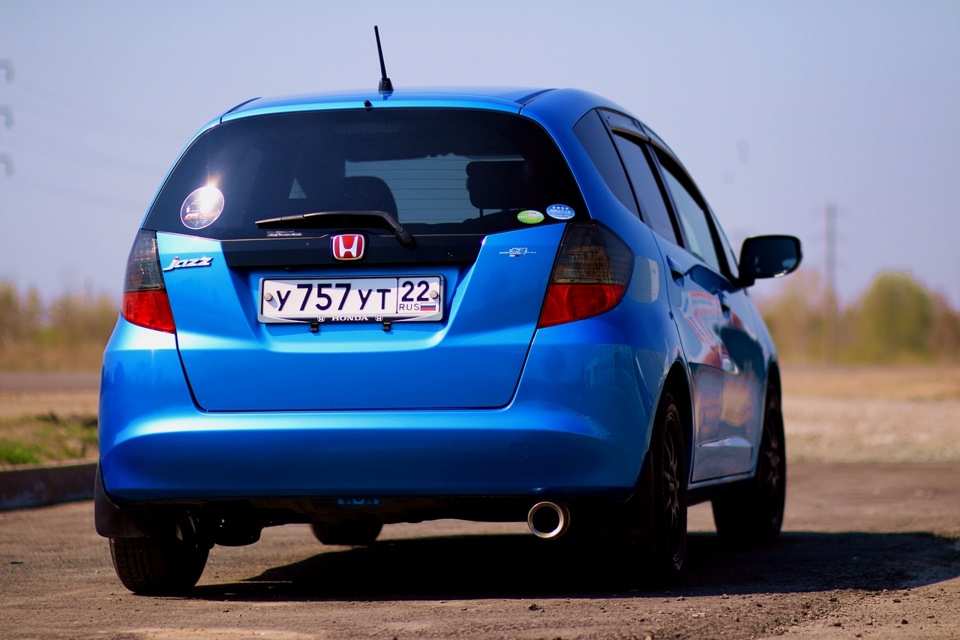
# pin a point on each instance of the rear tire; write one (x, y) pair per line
(655, 557)
(755, 514)
(351, 534)
(160, 564)
(669, 495)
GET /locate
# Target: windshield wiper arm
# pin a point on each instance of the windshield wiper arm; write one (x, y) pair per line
(378, 219)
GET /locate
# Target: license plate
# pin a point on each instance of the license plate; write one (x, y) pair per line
(410, 298)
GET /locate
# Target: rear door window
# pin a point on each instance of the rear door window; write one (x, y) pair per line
(691, 212)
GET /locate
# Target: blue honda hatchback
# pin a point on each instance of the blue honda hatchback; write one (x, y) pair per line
(351, 310)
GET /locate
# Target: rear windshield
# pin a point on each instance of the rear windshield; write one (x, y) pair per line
(434, 170)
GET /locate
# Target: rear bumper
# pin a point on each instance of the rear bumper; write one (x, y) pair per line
(446, 453)
(156, 445)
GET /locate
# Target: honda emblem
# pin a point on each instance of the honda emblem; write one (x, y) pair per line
(348, 246)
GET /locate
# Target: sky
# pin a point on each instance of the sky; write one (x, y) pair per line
(779, 110)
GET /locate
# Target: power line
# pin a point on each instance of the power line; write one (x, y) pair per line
(91, 115)
(5, 158)
(98, 200)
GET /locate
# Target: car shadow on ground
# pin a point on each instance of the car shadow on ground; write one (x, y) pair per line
(519, 566)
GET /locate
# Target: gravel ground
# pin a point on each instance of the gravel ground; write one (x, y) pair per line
(872, 430)
(871, 549)
(872, 414)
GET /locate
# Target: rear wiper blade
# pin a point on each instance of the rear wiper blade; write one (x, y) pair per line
(377, 219)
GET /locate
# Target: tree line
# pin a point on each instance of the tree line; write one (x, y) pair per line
(895, 321)
(68, 333)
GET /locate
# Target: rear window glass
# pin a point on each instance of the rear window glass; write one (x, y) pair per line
(434, 170)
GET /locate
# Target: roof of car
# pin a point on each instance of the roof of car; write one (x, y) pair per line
(572, 102)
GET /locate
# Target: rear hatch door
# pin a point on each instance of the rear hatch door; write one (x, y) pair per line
(273, 210)
(470, 356)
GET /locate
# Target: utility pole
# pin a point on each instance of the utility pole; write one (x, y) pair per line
(830, 320)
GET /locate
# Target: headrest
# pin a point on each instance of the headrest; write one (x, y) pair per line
(368, 193)
(499, 184)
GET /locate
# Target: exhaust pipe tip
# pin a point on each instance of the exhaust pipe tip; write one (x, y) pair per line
(548, 520)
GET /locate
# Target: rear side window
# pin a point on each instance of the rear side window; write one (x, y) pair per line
(626, 156)
(645, 186)
(435, 170)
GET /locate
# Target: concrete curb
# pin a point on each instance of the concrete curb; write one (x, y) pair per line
(38, 486)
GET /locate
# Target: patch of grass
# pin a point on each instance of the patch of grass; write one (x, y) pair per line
(16, 452)
(47, 437)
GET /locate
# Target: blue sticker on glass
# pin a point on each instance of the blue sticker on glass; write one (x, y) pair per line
(560, 212)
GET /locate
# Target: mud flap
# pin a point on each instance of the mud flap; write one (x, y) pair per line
(111, 521)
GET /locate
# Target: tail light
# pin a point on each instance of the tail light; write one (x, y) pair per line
(145, 301)
(590, 276)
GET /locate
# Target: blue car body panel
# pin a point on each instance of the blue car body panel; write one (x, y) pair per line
(163, 446)
(416, 365)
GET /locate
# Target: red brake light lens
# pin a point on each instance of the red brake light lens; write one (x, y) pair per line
(145, 301)
(590, 277)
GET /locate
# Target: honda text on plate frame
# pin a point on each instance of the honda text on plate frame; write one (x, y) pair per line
(352, 310)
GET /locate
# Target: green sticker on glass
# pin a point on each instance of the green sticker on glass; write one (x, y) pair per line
(529, 216)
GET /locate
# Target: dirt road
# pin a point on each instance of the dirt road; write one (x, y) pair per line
(871, 549)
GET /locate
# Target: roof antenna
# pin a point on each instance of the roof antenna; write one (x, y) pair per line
(386, 87)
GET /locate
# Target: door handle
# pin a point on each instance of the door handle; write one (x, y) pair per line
(676, 272)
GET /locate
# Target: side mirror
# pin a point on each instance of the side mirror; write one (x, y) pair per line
(768, 257)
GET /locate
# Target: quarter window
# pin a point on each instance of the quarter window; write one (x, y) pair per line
(728, 252)
(593, 135)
